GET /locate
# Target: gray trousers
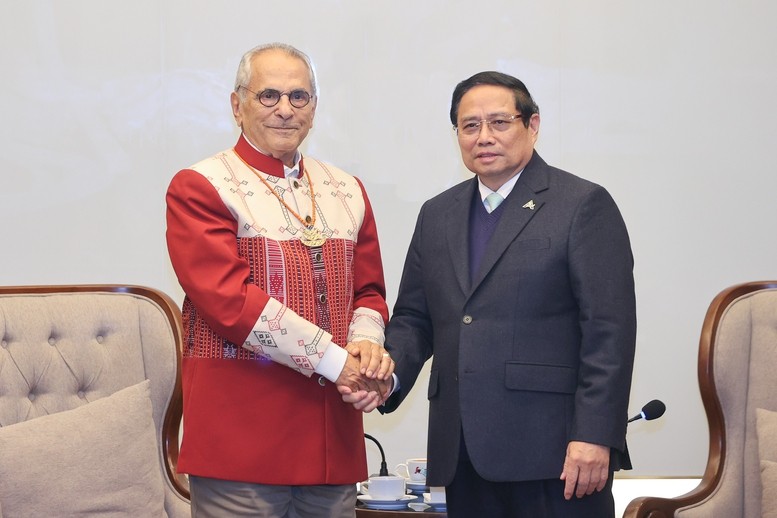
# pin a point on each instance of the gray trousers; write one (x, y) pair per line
(213, 498)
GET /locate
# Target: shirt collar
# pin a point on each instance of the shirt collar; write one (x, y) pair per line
(504, 190)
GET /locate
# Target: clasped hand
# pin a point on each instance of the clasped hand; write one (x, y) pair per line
(366, 378)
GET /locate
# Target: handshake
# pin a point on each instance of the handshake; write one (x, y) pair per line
(366, 379)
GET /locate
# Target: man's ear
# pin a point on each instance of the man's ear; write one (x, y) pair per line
(534, 125)
(234, 100)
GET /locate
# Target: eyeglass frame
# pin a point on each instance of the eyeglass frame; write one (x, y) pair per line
(479, 123)
(258, 96)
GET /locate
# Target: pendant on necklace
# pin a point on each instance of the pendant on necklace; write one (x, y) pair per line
(312, 237)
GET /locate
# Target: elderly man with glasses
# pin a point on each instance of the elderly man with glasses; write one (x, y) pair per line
(279, 260)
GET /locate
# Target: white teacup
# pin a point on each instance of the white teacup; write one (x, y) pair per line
(414, 470)
(385, 488)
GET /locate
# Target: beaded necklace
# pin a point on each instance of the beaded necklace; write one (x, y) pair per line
(311, 236)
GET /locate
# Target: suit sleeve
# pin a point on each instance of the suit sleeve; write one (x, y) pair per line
(409, 336)
(601, 272)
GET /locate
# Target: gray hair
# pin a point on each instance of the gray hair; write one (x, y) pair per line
(244, 68)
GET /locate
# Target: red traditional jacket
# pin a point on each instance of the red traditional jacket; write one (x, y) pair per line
(262, 308)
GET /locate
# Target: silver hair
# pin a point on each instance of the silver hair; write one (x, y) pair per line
(244, 68)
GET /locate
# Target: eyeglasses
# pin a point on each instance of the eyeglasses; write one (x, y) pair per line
(498, 124)
(298, 98)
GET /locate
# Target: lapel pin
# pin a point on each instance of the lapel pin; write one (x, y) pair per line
(529, 205)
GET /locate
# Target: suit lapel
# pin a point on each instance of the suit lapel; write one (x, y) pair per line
(457, 233)
(521, 205)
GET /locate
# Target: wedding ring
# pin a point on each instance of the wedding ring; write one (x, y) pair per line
(386, 354)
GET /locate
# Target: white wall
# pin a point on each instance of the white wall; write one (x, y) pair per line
(668, 104)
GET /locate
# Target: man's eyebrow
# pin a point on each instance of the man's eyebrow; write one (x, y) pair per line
(488, 116)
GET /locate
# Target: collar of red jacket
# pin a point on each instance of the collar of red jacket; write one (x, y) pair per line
(260, 161)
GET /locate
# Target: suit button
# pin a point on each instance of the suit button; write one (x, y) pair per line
(467, 319)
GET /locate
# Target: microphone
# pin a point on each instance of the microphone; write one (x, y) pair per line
(383, 467)
(652, 410)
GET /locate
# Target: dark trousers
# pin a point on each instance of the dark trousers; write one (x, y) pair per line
(470, 495)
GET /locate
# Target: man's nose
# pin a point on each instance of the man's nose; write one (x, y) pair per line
(485, 135)
(284, 107)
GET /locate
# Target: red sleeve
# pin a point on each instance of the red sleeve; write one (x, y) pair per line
(368, 283)
(202, 243)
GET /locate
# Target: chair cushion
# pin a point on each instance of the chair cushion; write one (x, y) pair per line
(766, 429)
(98, 459)
(769, 483)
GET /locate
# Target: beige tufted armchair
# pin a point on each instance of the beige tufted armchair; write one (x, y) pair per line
(738, 383)
(81, 430)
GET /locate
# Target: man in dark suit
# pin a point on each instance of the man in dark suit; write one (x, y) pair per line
(528, 311)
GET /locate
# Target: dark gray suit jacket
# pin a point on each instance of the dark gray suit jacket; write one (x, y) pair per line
(538, 350)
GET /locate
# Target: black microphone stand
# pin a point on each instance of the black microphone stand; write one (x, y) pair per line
(383, 468)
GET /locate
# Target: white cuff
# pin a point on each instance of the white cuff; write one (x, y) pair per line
(395, 386)
(331, 364)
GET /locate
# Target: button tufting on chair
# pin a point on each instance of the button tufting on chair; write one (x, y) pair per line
(54, 360)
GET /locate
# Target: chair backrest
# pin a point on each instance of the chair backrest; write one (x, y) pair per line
(736, 370)
(66, 346)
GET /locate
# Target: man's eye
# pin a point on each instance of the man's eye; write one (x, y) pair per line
(499, 123)
(471, 125)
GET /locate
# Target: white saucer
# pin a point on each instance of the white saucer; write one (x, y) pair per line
(428, 500)
(415, 485)
(386, 505)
